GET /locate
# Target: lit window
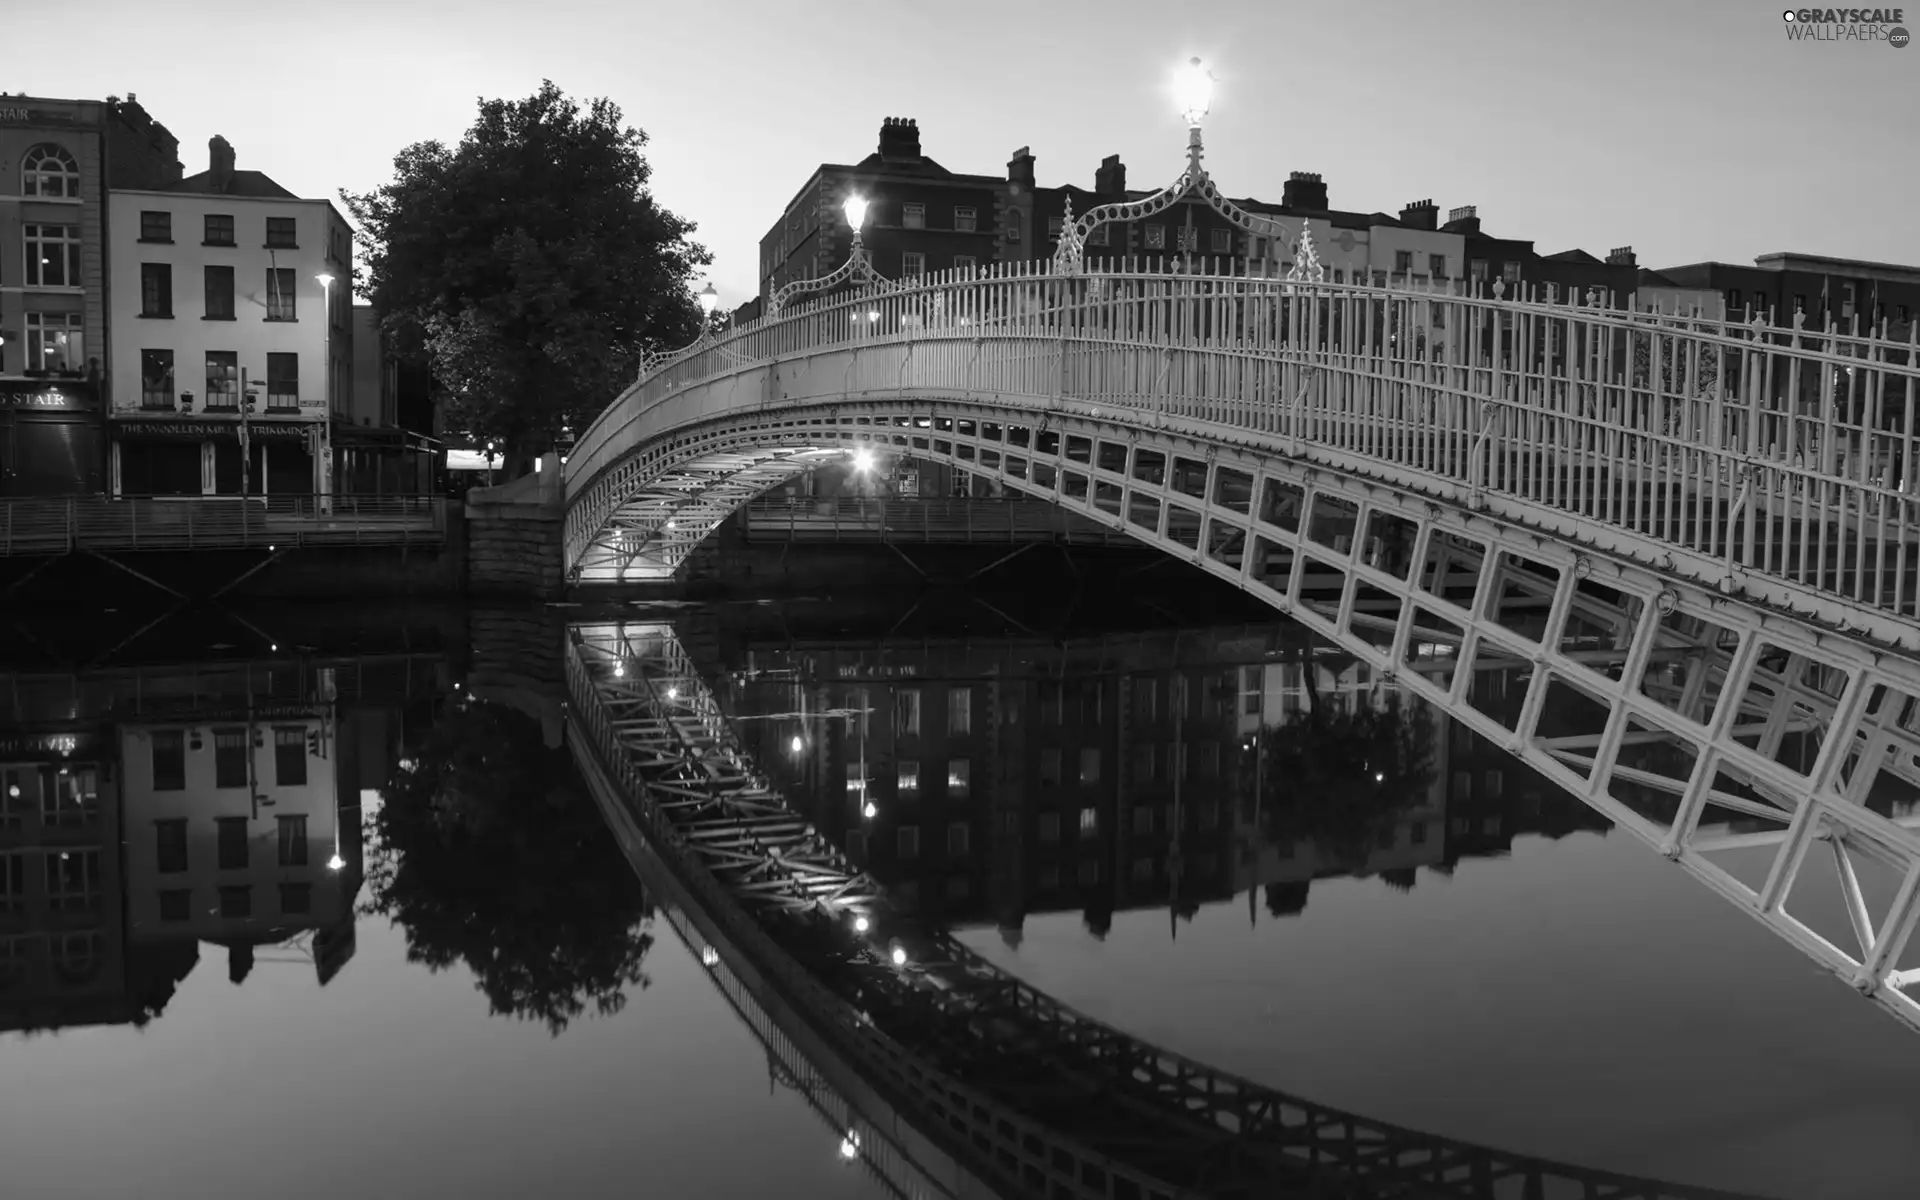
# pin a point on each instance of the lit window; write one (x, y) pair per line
(1089, 820)
(913, 263)
(909, 776)
(959, 711)
(906, 712)
(52, 255)
(959, 777)
(56, 343)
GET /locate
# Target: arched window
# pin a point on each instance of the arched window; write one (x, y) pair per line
(48, 170)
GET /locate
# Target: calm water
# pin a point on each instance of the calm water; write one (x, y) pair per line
(415, 989)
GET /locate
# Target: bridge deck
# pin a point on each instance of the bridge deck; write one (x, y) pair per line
(103, 524)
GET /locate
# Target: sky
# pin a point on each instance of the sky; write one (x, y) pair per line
(1690, 131)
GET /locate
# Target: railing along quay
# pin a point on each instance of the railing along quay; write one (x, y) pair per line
(957, 520)
(1722, 450)
(1059, 1103)
(64, 525)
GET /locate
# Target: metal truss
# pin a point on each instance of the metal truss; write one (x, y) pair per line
(1704, 724)
(993, 1056)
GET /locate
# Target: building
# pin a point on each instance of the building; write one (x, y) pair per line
(1834, 293)
(57, 160)
(232, 349)
(386, 441)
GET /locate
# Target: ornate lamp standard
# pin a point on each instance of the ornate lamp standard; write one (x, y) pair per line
(857, 266)
(1194, 88)
(653, 360)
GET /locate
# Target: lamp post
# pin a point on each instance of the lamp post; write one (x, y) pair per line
(857, 266)
(1193, 91)
(709, 300)
(323, 442)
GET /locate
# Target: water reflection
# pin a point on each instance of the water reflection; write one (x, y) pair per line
(490, 855)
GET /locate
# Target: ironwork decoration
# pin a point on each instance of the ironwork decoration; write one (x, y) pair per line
(857, 267)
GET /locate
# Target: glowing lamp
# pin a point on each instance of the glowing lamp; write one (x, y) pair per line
(855, 207)
(709, 300)
(863, 459)
(1193, 87)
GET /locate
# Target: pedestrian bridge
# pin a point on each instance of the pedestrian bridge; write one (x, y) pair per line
(1691, 546)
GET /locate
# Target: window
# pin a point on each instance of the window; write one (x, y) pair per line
(1189, 239)
(280, 294)
(1156, 237)
(1799, 302)
(1143, 762)
(1403, 261)
(1477, 270)
(1462, 786)
(1146, 694)
(1054, 225)
(296, 899)
(913, 216)
(1510, 272)
(176, 904)
(1089, 765)
(219, 282)
(959, 838)
(1143, 818)
(223, 391)
(170, 845)
(1495, 784)
(280, 234)
(959, 711)
(283, 381)
(72, 800)
(156, 391)
(1379, 278)
(906, 712)
(1089, 820)
(908, 778)
(1050, 767)
(156, 290)
(16, 784)
(1049, 827)
(219, 229)
(48, 170)
(1010, 824)
(53, 255)
(906, 841)
(169, 748)
(1098, 235)
(73, 880)
(1090, 708)
(236, 903)
(1419, 833)
(1250, 690)
(959, 776)
(1733, 300)
(13, 882)
(293, 840)
(1013, 228)
(1210, 815)
(1222, 241)
(959, 887)
(964, 219)
(1260, 247)
(913, 263)
(156, 226)
(1437, 265)
(1846, 301)
(1209, 760)
(289, 747)
(232, 843)
(964, 262)
(56, 343)
(1089, 873)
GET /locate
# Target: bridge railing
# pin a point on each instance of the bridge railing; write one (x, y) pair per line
(62, 524)
(1768, 449)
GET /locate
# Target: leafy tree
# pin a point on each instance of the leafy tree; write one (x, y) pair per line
(490, 854)
(529, 266)
(1680, 375)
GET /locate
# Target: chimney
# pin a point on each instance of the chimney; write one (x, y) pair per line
(1111, 178)
(1621, 256)
(1421, 214)
(1465, 219)
(1020, 169)
(220, 160)
(132, 99)
(900, 139)
(1304, 189)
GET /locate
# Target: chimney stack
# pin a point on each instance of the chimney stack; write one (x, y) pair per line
(1304, 189)
(1465, 219)
(1111, 178)
(220, 159)
(900, 139)
(1421, 214)
(1621, 256)
(1020, 168)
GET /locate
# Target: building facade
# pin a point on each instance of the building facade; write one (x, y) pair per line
(57, 160)
(232, 350)
(1833, 293)
(385, 442)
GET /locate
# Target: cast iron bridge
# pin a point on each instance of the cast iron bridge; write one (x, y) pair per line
(1689, 548)
(942, 1072)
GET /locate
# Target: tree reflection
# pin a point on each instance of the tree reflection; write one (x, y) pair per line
(489, 852)
(1340, 776)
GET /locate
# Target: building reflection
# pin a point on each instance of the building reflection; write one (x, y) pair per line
(148, 812)
(984, 780)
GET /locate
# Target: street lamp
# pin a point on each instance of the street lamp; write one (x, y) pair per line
(709, 300)
(1193, 90)
(857, 265)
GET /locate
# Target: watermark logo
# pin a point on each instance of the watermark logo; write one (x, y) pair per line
(1847, 25)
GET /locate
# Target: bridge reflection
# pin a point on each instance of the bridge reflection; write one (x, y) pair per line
(969, 1079)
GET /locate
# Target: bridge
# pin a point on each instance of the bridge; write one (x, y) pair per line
(1689, 545)
(937, 1070)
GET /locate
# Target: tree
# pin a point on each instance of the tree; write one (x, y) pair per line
(1680, 374)
(529, 267)
(489, 853)
(1338, 778)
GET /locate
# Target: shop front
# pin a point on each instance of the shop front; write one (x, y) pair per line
(211, 457)
(50, 443)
